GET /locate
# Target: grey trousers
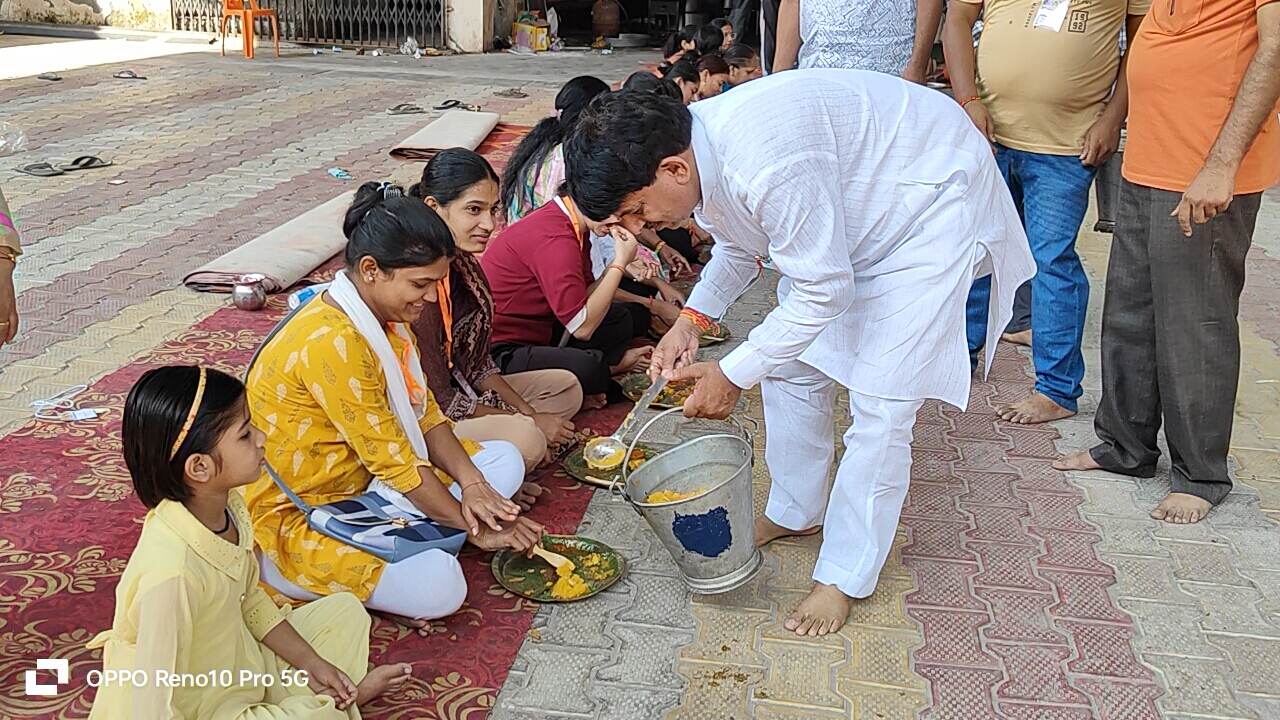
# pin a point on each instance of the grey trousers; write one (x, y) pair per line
(1171, 341)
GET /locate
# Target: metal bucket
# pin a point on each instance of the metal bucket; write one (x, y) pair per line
(711, 536)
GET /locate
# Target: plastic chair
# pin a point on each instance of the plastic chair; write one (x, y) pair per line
(248, 11)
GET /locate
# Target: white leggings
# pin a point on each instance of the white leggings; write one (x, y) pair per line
(430, 584)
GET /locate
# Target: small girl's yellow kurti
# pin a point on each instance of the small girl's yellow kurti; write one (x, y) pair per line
(189, 605)
(319, 393)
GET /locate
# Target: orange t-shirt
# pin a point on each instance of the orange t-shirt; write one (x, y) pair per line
(1185, 66)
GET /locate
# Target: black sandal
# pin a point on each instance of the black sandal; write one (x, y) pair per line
(405, 109)
(40, 169)
(86, 162)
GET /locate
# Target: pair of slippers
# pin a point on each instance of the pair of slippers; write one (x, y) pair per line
(122, 75)
(411, 109)
(84, 162)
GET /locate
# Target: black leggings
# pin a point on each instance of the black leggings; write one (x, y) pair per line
(589, 360)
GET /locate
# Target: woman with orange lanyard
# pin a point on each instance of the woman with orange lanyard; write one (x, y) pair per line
(340, 394)
(549, 309)
(531, 409)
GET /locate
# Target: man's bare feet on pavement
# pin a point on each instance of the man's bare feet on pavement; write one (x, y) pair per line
(1082, 460)
(1022, 337)
(381, 680)
(527, 495)
(767, 531)
(633, 360)
(1181, 508)
(822, 613)
(1034, 409)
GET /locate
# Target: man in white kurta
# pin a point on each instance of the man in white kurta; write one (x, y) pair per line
(879, 204)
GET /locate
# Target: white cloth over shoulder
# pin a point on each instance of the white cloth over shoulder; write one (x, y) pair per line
(879, 203)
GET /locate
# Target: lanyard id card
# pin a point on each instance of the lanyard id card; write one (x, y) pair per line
(1050, 15)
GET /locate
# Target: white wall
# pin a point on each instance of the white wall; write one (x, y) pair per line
(140, 14)
(470, 24)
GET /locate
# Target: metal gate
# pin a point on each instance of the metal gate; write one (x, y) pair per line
(384, 23)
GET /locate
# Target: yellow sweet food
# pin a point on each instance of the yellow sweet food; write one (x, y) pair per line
(664, 496)
(569, 585)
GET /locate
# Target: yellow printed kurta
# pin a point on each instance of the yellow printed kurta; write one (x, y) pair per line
(189, 602)
(318, 392)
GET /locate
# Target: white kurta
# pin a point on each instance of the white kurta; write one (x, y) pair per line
(879, 203)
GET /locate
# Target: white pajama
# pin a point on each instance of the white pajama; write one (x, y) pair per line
(430, 584)
(861, 509)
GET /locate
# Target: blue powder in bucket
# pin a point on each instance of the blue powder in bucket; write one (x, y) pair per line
(708, 534)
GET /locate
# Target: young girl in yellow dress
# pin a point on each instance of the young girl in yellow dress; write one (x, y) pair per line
(197, 634)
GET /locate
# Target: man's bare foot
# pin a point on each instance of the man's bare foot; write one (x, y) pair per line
(633, 360)
(527, 495)
(1034, 409)
(381, 680)
(422, 627)
(1082, 460)
(767, 531)
(1181, 508)
(822, 613)
(594, 402)
(1022, 337)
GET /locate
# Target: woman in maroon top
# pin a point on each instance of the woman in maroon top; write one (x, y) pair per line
(549, 309)
(530, 409)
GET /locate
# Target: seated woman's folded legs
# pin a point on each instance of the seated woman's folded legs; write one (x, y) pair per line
(613, 339)
(553, 391)
(587, 366)
(519, 430)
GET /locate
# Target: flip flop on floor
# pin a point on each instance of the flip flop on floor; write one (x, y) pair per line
(41, 169)
(405, 109)
(451, 104)
(49, 76)
(87, 162)
(128, 75)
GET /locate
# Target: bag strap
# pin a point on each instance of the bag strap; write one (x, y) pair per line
(293, 497)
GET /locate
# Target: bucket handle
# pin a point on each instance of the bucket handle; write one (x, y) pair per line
(615, 489)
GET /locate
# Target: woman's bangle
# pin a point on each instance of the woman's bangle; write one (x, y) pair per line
(616, 266)
(968, 100)
(661, 244)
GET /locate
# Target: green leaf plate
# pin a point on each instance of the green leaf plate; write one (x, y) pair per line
(576, 466)
(634, 385)
(717, 334)
(532, 578)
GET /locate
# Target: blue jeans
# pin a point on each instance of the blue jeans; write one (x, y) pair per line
(1052, 194)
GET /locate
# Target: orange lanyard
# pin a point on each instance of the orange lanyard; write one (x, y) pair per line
(571, 210)
(446, 314)
(416, 392)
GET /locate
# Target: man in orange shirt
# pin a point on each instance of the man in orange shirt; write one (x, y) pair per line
(1204, 142)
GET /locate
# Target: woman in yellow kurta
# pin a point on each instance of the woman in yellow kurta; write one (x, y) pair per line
(327, 388)
(189, 604)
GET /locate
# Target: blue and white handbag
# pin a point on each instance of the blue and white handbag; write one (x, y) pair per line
(371, 522)
(368, 521)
